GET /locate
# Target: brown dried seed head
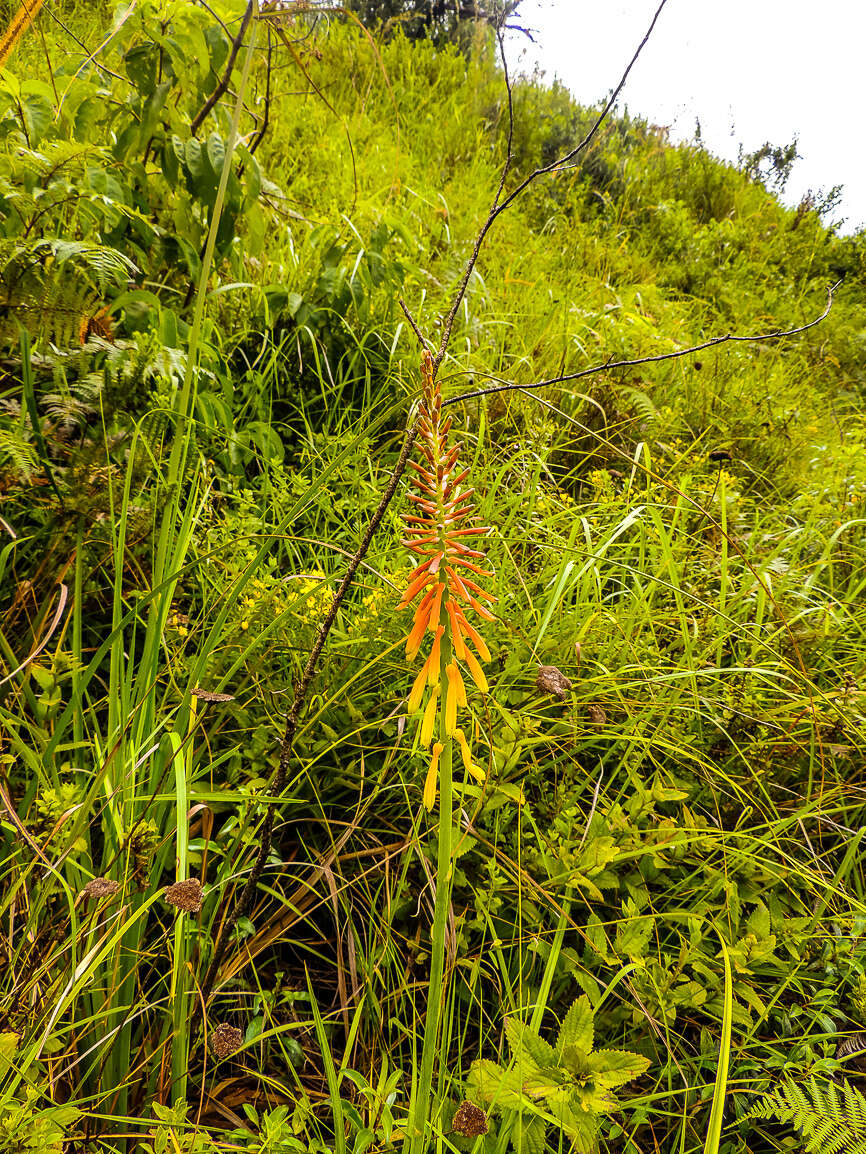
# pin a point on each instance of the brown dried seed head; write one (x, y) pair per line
(100, 888)
(184, 895)
(205, 695)
(596, 715)
(470, 1120)
(226, 1040)
(553, 681)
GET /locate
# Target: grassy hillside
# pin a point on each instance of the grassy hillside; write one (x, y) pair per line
(207, 376)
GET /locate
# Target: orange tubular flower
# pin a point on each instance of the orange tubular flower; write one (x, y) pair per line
(439, 533)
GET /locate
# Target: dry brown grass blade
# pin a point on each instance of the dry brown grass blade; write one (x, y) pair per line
(55, 621)
(16, 821)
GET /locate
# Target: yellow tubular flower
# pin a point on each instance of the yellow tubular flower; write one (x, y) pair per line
(476, 671)
(432, 773)
(451, 698)
(434, 673)
(466, 754)
(418, 690)
(429, 719)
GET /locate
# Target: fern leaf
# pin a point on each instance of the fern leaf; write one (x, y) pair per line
(17, 453)
(829, 1121)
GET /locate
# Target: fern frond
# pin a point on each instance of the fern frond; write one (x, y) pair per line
(107, 264)
(16, 453)
(831, 1121)
(55, 288)
(643, 407)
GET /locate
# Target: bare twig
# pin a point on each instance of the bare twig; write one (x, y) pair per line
(499, 205)
(422, 340)
(225, 79)
(609, 366)
(266, 119)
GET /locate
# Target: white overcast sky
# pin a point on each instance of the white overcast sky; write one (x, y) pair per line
(749, 70)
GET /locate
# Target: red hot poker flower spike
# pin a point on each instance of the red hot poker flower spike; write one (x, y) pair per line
(440, 534)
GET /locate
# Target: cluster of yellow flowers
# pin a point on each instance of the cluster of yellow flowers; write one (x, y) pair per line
(310, 596)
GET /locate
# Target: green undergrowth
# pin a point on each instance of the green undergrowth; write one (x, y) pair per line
(685, 541)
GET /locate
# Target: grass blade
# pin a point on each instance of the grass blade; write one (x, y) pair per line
(714, 1130)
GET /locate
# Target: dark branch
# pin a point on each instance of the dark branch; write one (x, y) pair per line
(608, 366)
(223, 83)
(590, 136)
(421, 339)
(266, 120)
(499, 206)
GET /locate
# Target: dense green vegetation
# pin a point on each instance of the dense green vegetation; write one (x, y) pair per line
(207, 376)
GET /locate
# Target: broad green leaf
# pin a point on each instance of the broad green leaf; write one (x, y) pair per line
(524, 1040)
(595, 1099)
(216, 153)
(616, 1067)
(38, 113)
(511, 1091)
(758, 922)
(194, 159)
(8, 1048)
(632, 937)
(576, 1061)
(577, 1026)
(141, 63)
(218, 47)
(484, 1080)
(543, 1082)
(580, 1125)
(596, 854)
(253, 176)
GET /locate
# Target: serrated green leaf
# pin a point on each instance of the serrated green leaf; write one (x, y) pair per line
(616, 1067)
(484, 1080)
(632, 937)
(577, 1026)
(543, 1082)
(510, 1093)
(523, 1040)
(758, 922)
(576, 1061)
(580, 1125)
